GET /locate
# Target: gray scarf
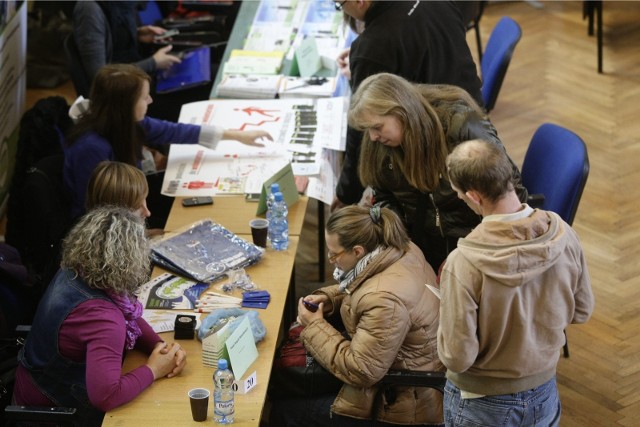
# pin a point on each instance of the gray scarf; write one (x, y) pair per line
(345, 278)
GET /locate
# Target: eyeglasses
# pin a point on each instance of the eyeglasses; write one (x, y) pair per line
(339, 4)
(334, 257)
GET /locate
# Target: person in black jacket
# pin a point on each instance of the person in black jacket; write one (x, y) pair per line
(106, 32)
(422, 41)
(409, 129)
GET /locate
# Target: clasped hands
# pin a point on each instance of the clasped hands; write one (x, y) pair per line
(167, 360)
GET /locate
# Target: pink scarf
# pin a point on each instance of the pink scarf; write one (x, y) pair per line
(132, 311)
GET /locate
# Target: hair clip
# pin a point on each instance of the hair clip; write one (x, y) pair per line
(374, 213)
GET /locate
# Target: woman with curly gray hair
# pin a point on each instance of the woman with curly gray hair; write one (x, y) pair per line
(89, 316)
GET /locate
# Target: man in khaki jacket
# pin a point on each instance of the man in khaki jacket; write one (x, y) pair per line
(508, 292)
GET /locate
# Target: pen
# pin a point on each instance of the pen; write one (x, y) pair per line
(296, 87)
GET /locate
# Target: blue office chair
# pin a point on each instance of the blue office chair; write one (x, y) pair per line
(496, 58)
(556, 165)
(555, 171)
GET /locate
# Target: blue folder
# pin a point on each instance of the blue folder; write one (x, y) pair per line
(194, 70)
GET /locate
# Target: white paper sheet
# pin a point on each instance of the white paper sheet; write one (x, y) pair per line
(193, 170)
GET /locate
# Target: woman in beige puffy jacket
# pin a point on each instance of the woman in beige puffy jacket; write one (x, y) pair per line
(391, 321)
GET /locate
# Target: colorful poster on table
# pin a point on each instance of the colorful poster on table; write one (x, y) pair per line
(300, 128)
(169, 291)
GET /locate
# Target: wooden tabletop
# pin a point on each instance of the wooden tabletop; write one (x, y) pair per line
(165, 402)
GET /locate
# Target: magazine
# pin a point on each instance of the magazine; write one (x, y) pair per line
(169, 291)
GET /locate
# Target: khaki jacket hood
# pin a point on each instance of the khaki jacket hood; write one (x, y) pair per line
(512, 252)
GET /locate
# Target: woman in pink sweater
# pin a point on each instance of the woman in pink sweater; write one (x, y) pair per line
(89, 317)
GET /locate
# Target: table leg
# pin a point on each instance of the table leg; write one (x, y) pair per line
(321, 242)
(598, 7)
(291, 306)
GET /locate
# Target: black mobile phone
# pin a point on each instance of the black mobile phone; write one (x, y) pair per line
(197, 201)
(166, 35)
(310, 305)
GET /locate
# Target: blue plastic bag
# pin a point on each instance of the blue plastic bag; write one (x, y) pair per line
(220, 316)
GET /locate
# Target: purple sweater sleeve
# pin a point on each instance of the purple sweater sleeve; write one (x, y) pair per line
(148, 340)
(80, 159)
(164, 132)
(95, 332)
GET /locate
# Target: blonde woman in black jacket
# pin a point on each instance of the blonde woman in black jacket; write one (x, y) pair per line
(409, 129)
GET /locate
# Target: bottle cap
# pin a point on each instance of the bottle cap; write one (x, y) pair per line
(222, 364)
(275, 187)
(278, 197)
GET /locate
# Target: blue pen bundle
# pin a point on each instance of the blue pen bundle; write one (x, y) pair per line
(255, 299)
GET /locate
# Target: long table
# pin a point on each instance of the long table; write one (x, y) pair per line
(165, 402)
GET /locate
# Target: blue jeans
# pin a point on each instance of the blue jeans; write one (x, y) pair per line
(536, 407)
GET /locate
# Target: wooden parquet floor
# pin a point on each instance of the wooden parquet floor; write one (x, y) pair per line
(553, 78)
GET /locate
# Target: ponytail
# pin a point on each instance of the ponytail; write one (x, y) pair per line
(368, 227)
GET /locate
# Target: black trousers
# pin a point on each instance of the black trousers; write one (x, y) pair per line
(314, 412)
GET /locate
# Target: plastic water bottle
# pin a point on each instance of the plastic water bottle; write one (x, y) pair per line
(275, 188)
(223, 400)
(279, 224)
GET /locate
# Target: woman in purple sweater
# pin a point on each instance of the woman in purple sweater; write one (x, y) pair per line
(89, 317)
(115, 127)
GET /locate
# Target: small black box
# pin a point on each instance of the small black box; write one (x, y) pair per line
(185, 326)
